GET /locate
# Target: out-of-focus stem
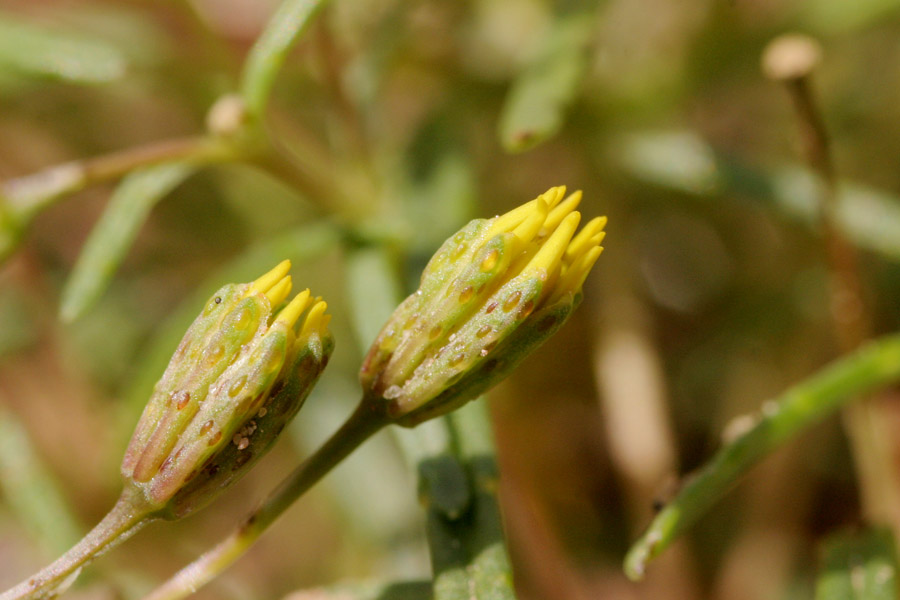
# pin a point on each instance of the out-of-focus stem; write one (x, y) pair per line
(791, 60)
(358, 428)
(119, 524)
(807, 403)
(30, 193)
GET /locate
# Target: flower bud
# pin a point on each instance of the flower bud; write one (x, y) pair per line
(490, 295)
(239, 375)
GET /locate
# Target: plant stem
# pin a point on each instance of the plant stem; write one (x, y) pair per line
(119, 524)
(874, 365)
(356, 429)
(30, 193)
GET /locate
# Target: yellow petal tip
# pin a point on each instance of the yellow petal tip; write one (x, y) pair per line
(290, 313)
(533, 223)
(264, 283)
(278, 292)
(552, 250)
(316, 320)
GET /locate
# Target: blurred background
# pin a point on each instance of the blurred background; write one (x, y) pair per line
(405, 120)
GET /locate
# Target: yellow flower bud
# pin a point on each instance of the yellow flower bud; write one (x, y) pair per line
(491, 294)
(237, 378)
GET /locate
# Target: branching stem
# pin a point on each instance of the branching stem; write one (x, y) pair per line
(30, 193)
(119, 524)
(358, 428)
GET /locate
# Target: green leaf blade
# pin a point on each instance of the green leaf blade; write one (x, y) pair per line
(535, 107)
(31, 490)
(683, 162)
(114, 233)
(858, 566)
(270, 51)
(30, 50)
(782, 419)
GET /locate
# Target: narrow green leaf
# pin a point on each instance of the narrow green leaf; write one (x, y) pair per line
(858, 566)
(840, 16)
(35, 51)
(31, 490)
(372, 291)
(439, 203)
(270, 51)
(468, 550)
(114, 233)
(682, 161)
(781, 419)
(536, 104)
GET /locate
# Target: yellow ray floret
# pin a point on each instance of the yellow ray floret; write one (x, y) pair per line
(510, 220)
(290, 313)
(552, 250)
(278, 292)
(573, 278)
(586, 237)
(316, 320)
(553, 195)
(559, 213)
(264, 283)
(531, 225)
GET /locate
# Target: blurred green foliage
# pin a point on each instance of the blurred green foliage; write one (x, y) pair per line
(380, 133)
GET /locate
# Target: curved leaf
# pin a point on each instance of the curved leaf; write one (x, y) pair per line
(30, 50)
(535, 106)
(858, 566)
(684, 162)
(781, 420)
(114, 233)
